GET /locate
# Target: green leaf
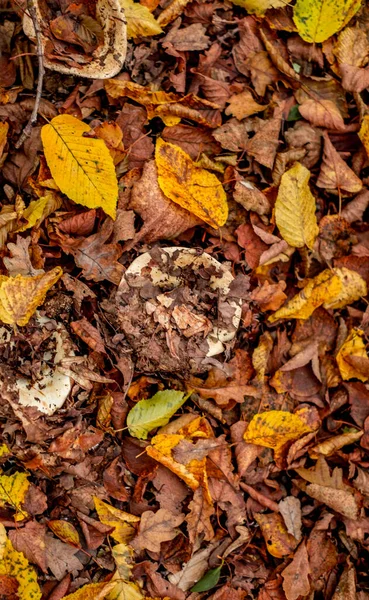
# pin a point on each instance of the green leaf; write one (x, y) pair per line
(294, 114)
(208, 581)
(146, 415)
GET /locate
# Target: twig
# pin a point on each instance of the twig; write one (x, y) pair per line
(41, 72)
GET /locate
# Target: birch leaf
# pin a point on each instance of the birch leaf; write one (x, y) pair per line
(295, 208)
(20, 296)
(82, 167)
(14, 564)
(140, 21)
(193, 188)
(318, 20)
(154, 412)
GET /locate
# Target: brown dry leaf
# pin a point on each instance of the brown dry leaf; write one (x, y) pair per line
(61, 558)
(346, 588)
(263, 146)
(233, 135)
(263, 72)
(163, 219)
(20, 261)
(89, 334)
(198, 518)
(193, 140)
(355, 209)
(31, 541)
(156, 528)
(270, 296)
(335, 172)
(290, 509)
(171, 12)
(223, 387)
(247, 194)
(278, 541)
(20, 296)
(97, 259)
(296, 576)
(322, 113)
(330, 446)
(4, 128)
(352, 52)
(243, 105)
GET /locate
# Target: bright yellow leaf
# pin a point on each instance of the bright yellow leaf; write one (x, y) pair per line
(352, 346)
(274, 428)
(118, 88)
(82, 167)
(39, 209)
(193, 188)
(121, 521)
(318, 20)
(278, 541)
(65, 531)
(124, 589)
(20, 296)
(14, 564)
(334, 288)
(295, 208)
(92, 591)
(4, 128)
(4, 450)
(140, 21)
(259, 7)
(13, 490)
(364, 133)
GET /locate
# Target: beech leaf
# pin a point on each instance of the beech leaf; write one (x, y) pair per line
(14, 564)
(154, 412)
(318, 20)
(140, 21)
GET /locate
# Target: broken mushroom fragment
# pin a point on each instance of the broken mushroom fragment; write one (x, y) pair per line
(177, 306)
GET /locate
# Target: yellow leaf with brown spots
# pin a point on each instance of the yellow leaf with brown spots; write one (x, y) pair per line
(4, 128)
(92, 591)
(193, 188)
(13, 489)
(353, 348)
(140, 21)
(278, 541)
(332, 288)
(81, 167)
(65, 531)
(274, 428)
(20, 296)
(121, 522)
(14, 564)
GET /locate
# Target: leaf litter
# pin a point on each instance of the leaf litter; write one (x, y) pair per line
(184, 363)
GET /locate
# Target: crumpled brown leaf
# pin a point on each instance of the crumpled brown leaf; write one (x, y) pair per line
(296, 576)
(335, 172)
(156, 528)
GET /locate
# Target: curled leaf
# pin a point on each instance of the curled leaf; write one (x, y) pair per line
(146, 415)
(353, 346)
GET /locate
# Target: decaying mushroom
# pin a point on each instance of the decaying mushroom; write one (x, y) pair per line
(31, 363)
(108, 57)
(177, 306)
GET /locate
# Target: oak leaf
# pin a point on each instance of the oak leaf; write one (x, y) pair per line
(296, 576)
(193, 188)
(89, 180)
(20, 262)
(140, 21)
(156, 528)
(335, 172)
(295, 208)
(353, 347)
(279, 542)
(320, 19)
(20, 296)
(14, 564)
(334, 288)
(120, 521)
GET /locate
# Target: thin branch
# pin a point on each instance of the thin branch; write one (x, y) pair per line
(41, 72)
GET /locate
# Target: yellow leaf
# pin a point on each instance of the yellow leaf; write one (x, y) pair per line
(117, 519)
(295, 208)
(65, 531)
(330, 446)
(140, 21)
(172, 11)
(4, 128)
(364, 133)
(20, 296)
(259, 7)
(4, 450)
(92, 591)
(334, 288)
(14, 564)
(125, 590)
(81, 166)
(274, 428)
(13, 489)
(123, 556)
(352, 346)
(39, 209)
(193, 188)
(318, 20)
(278, 541)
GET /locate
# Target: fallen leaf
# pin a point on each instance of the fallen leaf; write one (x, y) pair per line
(120, 521)
(89, 334)
(156, 528)
(334, 288)
(275, 428)
(38, 210)
(251, 242)
(296, 576)
(270, 296)
(295, 208)
(13, 564)
(4, 128)
(13, 490)
(193, 140)
(354, 210)
(198, 519)
(290, 509)
(20, 262)
(346, 588)
(243, 105)
(92, 591)
(171, 12)
(208, 581)
(154, 412)
(30, 540)
(90, 181)
(278, 541)
(61, 558)
(353, 346)
(260, 7)
(65, 531)
(321, 19)
(20, 296)
(193, 188)
(335, 172)
(140, 21)
(331, 445)
(263, 146)
(193, 570)
(246, 194)
(322, 113)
